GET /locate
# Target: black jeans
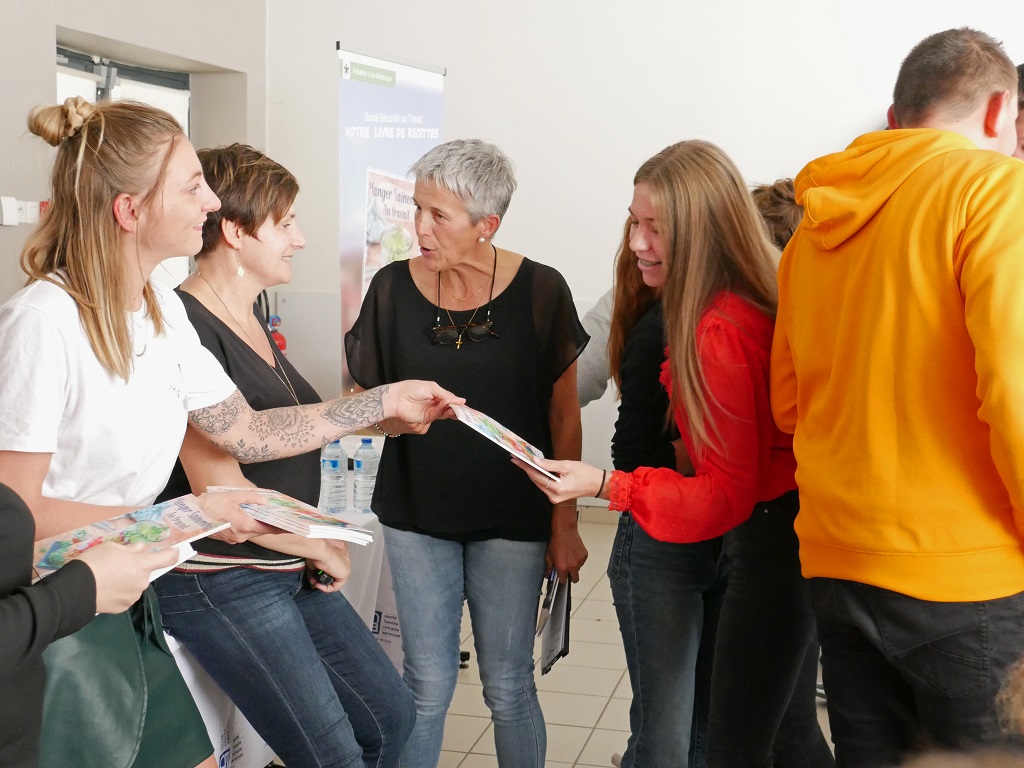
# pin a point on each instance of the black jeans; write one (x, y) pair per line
(763, 710)
(903, 674)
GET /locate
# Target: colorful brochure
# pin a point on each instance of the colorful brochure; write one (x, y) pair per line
(499, 435)
(294, 516)
(172, 523)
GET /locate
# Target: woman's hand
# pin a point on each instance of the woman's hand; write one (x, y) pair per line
(122, 572)
(575, 479)
(225, 506)
(334, 562)
(417, 402)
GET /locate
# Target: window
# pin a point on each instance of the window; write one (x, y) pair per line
(100, 79)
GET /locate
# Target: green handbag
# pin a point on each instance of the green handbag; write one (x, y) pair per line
(103, 682)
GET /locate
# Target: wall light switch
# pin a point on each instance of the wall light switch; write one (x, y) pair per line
(32, 209)
(8, 211)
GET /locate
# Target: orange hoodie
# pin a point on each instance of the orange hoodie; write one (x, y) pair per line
(898, 364)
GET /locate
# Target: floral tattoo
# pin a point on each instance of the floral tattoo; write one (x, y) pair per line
(285, 431)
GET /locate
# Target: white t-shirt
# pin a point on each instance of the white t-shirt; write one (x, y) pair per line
(113, 442)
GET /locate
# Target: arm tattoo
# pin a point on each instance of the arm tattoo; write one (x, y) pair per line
(289, 425)
(357, 411)
(219, 418)
(281, 432)
(247, 454)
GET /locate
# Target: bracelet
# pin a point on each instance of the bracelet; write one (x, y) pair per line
(604, 476)
(386, 434)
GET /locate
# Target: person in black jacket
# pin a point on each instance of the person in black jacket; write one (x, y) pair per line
(104, 579)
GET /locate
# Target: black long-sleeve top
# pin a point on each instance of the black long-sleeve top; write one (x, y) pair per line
(643, 437)
(31, 617)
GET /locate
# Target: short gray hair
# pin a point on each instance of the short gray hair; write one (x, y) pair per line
(477, 173)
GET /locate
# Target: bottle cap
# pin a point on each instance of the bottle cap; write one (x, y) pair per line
(366, 440)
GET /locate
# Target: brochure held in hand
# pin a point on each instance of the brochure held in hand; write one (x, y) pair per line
(553, 622)
(294, 516)
(172, 523)
(500, 435)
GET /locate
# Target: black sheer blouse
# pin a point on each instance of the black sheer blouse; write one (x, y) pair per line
(452, 483)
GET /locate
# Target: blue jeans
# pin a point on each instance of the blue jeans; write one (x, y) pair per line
(501, 581)
(902, 674)
(666, 598)
(299, 664)
(763, 710)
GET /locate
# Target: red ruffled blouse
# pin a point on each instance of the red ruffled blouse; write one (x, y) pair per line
(755, 460)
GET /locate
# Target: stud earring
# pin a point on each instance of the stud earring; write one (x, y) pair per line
(482, 240)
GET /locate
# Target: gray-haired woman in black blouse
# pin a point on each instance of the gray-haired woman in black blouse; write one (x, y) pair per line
(461, 522)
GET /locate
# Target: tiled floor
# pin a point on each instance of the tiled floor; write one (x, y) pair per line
(586, 695)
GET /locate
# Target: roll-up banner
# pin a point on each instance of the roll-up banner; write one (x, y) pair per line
(391, 114)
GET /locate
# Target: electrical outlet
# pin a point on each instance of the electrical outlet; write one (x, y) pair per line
(8, 211)
(32, 210)
(22, 211)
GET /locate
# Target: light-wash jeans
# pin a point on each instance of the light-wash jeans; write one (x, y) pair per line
(501, 581)
(299, 663)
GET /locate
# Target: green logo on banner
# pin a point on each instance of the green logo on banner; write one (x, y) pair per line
(353, 70)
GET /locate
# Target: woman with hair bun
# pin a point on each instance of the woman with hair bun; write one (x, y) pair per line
(102, 373)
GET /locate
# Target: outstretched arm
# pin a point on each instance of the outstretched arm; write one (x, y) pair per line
(566, 552)
(250, 436)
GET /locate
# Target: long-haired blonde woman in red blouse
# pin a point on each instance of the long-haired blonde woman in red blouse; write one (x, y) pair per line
(694, 221)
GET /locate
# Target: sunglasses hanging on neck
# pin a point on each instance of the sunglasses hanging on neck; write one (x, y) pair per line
(454, 333)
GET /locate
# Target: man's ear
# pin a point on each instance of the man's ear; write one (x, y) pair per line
(995, 114)
(891, 117)
(232, 233)
(125, 212)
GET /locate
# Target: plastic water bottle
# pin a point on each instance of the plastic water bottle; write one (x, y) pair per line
(333, 469)
(365, 461)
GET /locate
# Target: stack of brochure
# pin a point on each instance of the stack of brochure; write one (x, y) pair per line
(297, 517)
(172, 523)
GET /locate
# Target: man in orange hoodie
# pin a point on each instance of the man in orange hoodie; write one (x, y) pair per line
(898, 364)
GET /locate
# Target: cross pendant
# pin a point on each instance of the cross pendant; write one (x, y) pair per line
(458, 343)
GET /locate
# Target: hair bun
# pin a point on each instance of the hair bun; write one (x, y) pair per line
(77, 110)
(55, 123)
